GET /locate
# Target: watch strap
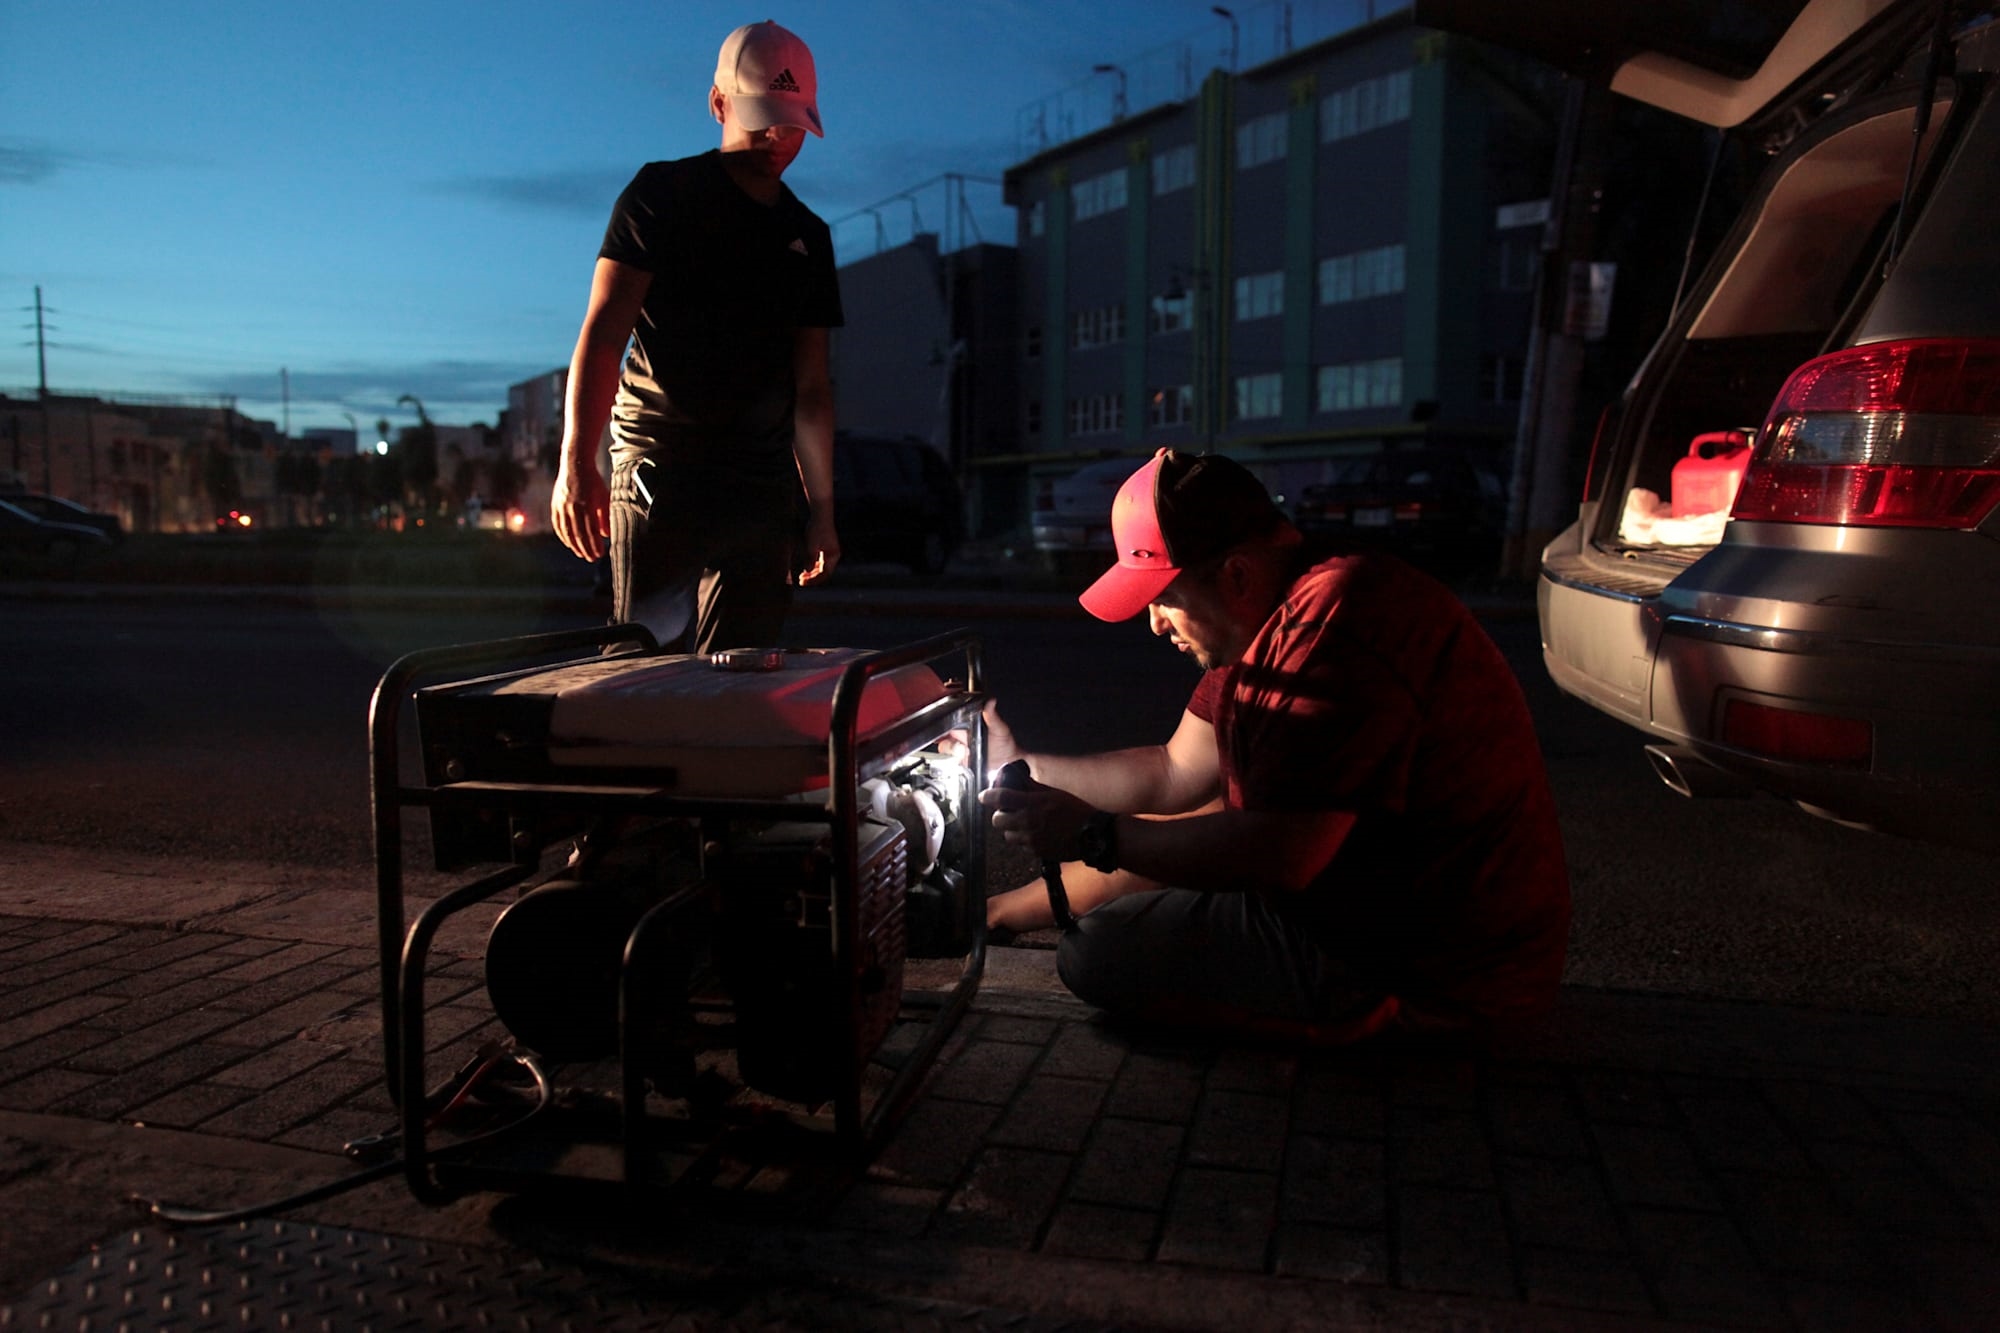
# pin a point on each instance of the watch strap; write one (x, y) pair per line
(1099, 841)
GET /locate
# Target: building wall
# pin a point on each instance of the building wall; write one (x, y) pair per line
(1338, 235)
(145, 463)
(531, 433)
(890, 360)
(931, 349)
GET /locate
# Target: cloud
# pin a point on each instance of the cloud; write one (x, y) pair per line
(584, 193)
(451, 391)
(23, 163)
(27, 162)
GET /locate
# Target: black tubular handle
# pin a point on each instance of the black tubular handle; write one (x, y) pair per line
(1014, 777)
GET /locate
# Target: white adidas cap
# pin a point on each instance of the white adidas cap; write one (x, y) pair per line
(768, 74)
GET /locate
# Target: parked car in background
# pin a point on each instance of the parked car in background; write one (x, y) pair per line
(58, 545)
(1433, 505)
(1071, 522)
(1818, 615)
(895, 499)
(53, 509)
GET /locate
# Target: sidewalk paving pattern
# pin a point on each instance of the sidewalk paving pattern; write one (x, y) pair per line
(1636, 1161)
(212, 1035)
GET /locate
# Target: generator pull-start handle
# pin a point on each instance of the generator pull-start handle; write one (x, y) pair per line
(1013, 776)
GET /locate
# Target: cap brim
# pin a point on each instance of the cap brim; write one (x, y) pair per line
(761, 113)
(1122, 592)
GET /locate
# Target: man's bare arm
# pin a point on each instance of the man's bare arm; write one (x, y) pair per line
(1278, 851)
(1168, 779)
(579, 510)
(812, 447)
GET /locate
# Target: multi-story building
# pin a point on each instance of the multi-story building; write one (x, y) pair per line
(1330, 253)
(161, 464)
(531, 436)
(929, 351)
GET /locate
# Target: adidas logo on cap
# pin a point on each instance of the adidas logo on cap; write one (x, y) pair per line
(773, 71)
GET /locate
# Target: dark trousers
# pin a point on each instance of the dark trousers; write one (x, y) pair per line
(702, 556)
(1217, 962)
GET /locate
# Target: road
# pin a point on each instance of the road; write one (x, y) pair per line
(196, 730)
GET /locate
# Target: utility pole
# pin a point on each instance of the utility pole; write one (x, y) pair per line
(42, 393)
(1537, 491)
(41, 354)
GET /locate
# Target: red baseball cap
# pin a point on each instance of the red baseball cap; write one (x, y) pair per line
(1176, 511)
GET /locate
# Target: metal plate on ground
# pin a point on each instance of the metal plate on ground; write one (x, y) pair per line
(296, 1276)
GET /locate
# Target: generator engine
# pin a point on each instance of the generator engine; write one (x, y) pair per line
(773, 951)
(739, 850)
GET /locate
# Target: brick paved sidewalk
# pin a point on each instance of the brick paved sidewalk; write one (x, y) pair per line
(1639, 1159)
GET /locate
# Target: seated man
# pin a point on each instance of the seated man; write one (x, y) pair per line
(1349, 833)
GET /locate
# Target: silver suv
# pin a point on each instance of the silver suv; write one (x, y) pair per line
(1786, 565)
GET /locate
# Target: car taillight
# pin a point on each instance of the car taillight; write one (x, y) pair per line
(1409, 511)
(1797, 735)
(1900, 434)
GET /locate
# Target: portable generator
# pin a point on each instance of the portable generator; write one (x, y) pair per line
(787, 825)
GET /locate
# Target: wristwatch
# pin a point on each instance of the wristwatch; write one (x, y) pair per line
(1097, 841)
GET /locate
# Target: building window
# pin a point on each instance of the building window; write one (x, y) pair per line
(1358, 276)
(1259, 396)
(1516, 262)
(1096, 414)
(1364, 106)
(1260, 295)
(1173, 169)
(1099, 326)
(1032, 342)
(1097, 195)
(1034, 416)
(1171, 406)
(1170, 314)
(1038, 217)
(1261, 140)
(1376, 383)
(1500, 378)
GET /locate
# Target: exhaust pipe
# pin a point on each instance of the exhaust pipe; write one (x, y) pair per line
(1691, 775)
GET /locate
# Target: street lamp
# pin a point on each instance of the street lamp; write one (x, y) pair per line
(1233, 33)
(1118, 104)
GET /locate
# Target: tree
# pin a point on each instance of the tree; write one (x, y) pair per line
(464, 480)
(385, 479)
(416, 449)
(506, 477)
(219, 478)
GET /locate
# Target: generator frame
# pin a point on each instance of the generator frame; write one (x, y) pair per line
(434, 1176)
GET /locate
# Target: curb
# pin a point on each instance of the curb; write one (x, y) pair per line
(939, 603)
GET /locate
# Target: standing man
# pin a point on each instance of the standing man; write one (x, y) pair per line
(1349, 833)
(723, 283)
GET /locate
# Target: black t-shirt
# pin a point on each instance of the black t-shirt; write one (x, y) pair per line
(710, 375)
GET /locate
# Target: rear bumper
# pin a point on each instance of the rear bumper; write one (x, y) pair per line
(1935, 768)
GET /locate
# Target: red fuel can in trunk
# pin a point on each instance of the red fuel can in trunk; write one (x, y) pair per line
(1705, 481)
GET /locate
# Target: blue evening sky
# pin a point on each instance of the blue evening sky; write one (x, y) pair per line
(392, 198)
